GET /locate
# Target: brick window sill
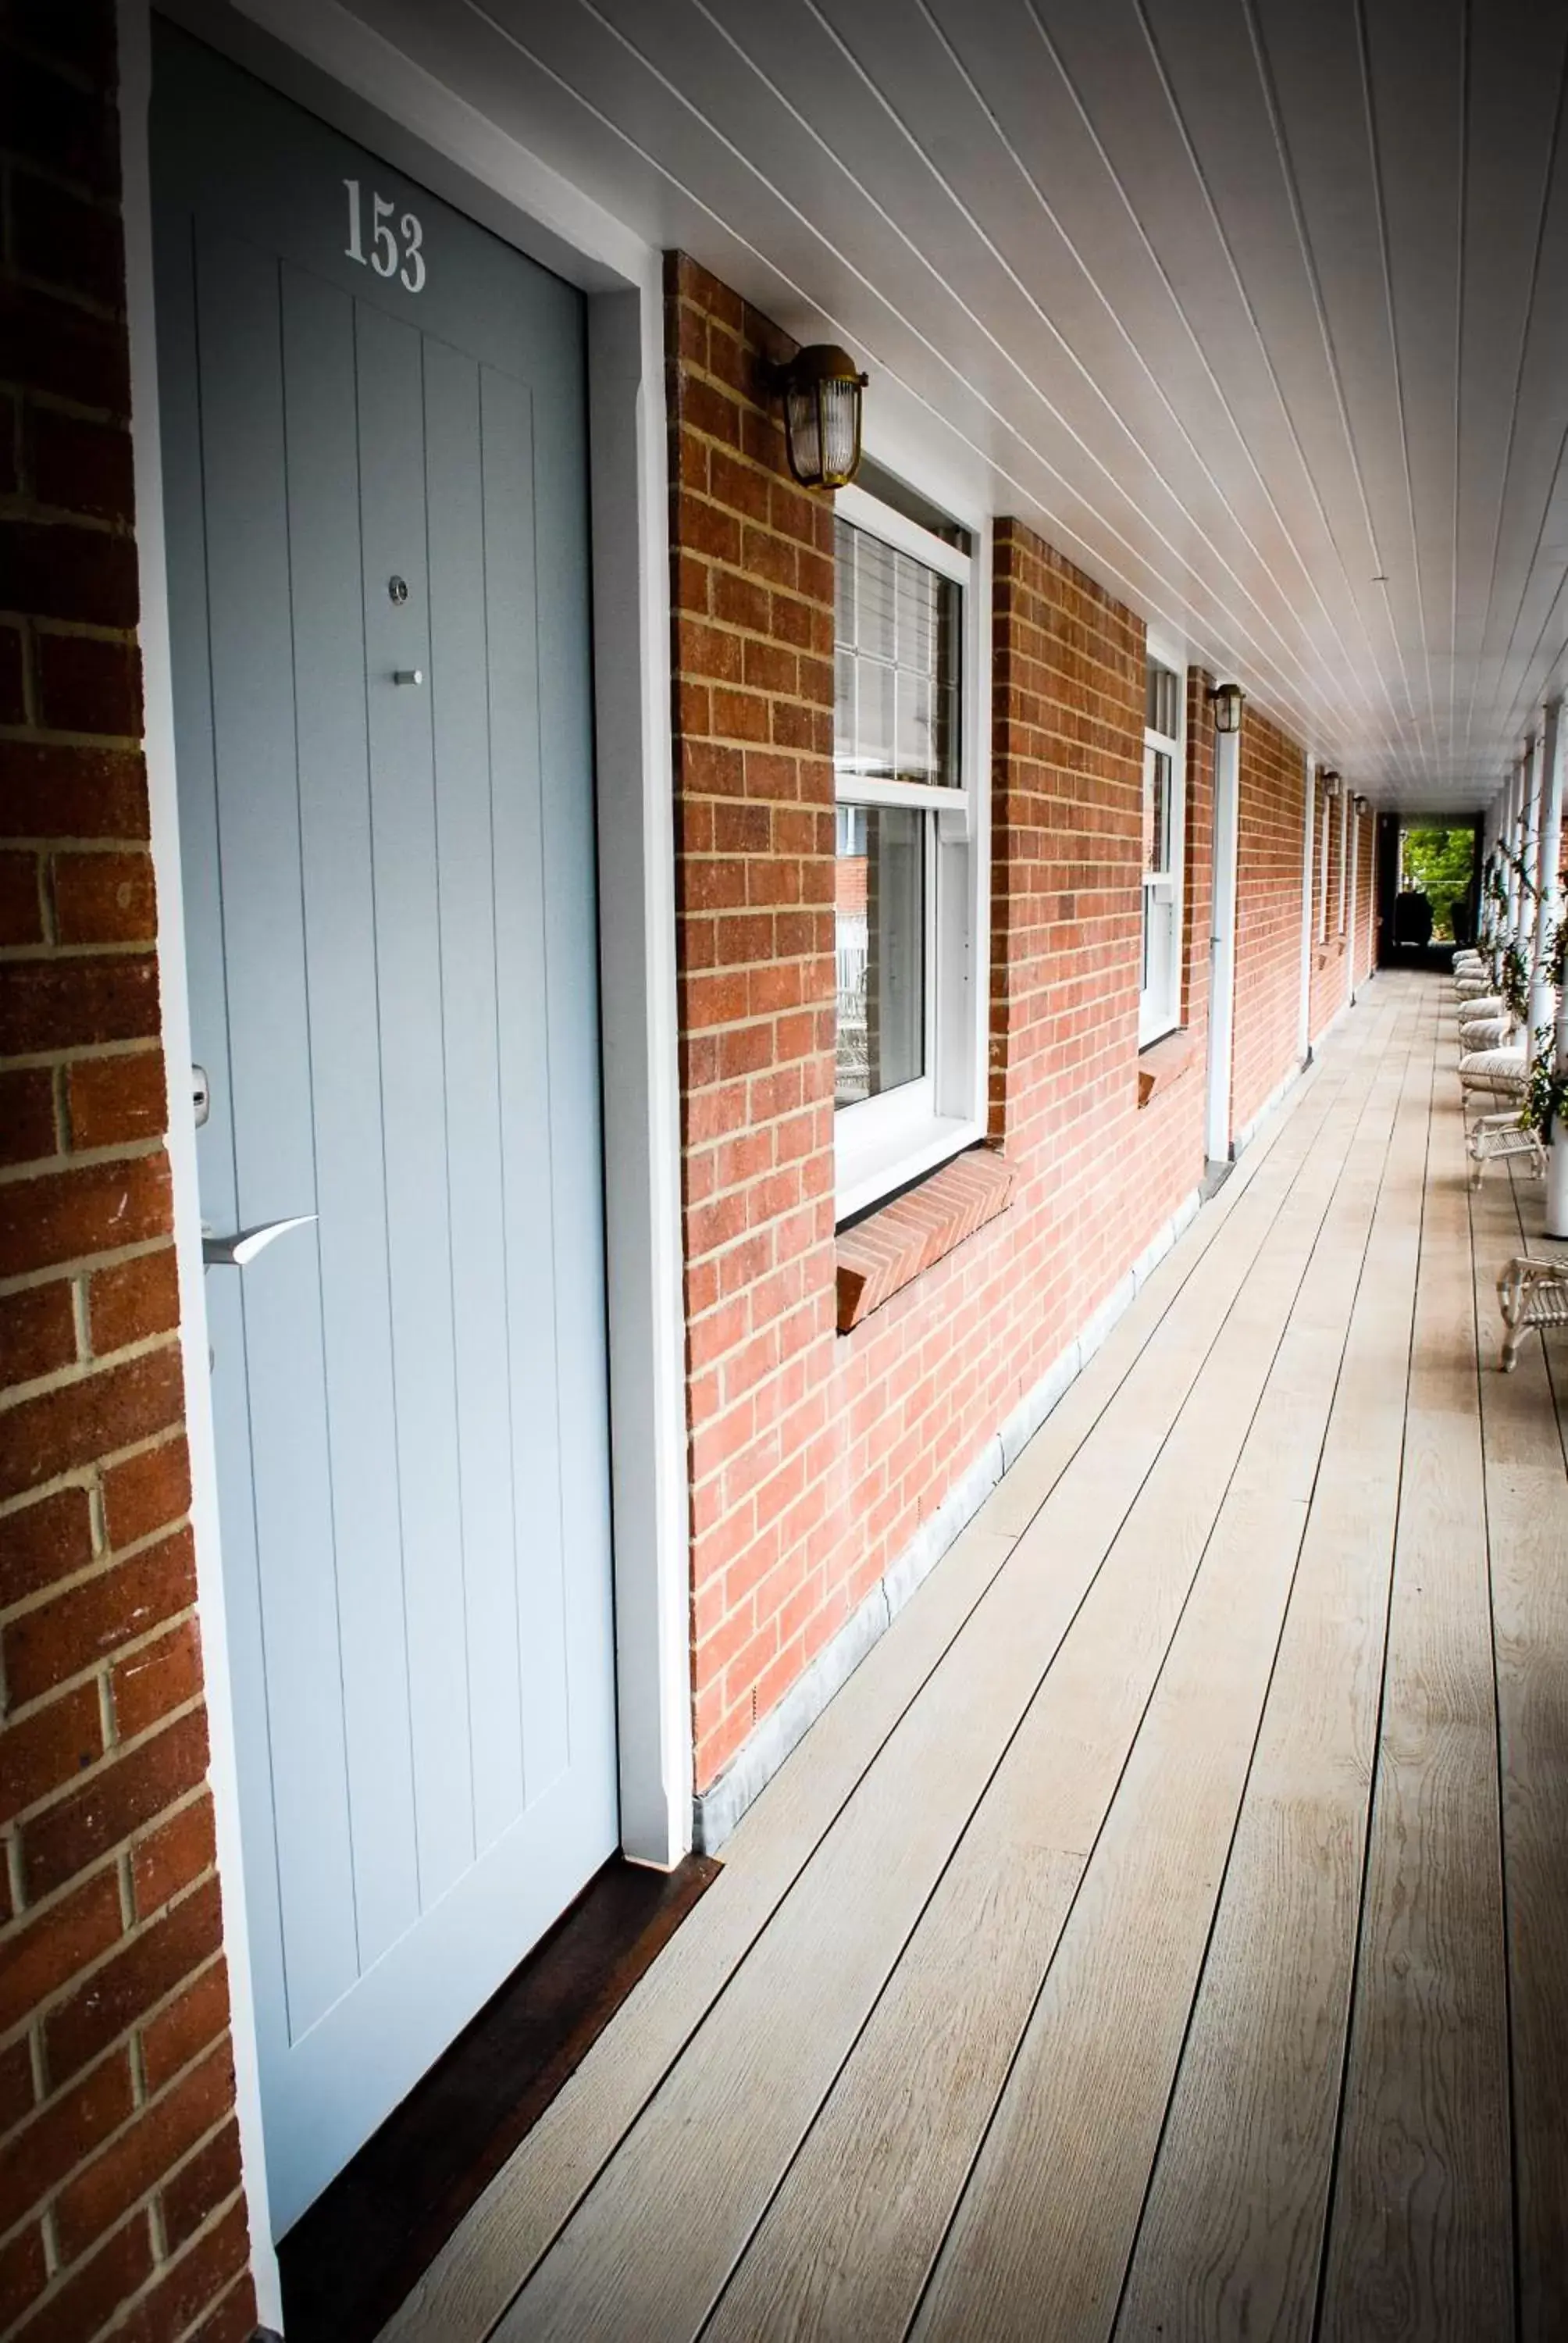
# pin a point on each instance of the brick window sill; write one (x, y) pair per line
(889, 1249)
(1163, 1061)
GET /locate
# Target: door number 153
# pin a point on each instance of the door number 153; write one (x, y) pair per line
(389, 244)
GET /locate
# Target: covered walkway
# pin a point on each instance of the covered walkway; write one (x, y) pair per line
(1164, 1933)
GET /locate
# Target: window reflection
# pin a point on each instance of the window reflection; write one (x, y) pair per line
(881, 928)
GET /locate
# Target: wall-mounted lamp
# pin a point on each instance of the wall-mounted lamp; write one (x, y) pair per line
(1225, 699)
(1361, 803)
(821, 387)
(1333, 782)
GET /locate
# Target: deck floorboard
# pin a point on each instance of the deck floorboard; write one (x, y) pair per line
(1162, 1934)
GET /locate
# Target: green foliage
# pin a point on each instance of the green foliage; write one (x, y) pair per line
(1439, 863)
(1546, 1099)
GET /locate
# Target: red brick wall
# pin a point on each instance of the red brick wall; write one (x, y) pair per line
(1271, 818)
(752, 654)
(119, 2161)
(815, 1457)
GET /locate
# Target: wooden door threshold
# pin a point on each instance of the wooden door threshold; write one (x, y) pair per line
(349, 2261)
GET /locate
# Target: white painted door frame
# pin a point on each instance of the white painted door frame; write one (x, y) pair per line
(1309, 843)
(1222, 945)
(327, 60)
(1351, 948)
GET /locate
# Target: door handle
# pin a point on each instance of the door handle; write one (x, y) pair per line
(237, 1250)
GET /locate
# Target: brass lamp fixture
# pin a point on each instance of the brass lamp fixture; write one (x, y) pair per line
(821, 388)
(1333, 782)
(1225, 699)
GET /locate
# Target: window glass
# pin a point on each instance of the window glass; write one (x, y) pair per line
(880, 898)
(896, 716)
(1160, 975)
(1162, 705)
(1157, 810)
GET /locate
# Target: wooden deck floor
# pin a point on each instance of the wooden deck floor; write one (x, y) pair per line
(1165, 1933)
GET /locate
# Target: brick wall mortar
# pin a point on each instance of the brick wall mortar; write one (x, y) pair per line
(814, 1457)
(120, 2203)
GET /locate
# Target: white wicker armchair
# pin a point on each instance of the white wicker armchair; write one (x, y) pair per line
(1529, 1293)
(1503, 1138)
(1485, 1034)
(1499, 1076)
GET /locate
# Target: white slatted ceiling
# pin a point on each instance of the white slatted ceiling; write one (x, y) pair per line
(1252, 308)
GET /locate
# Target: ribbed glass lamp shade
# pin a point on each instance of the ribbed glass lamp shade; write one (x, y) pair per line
(1226, 701)
(822, 418)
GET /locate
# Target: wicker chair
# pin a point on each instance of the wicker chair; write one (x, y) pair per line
(1478, 1034)
(1501, 1138)
(1498, 1076)
(1529, 1293)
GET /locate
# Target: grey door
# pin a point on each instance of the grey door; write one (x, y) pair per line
(376, 492)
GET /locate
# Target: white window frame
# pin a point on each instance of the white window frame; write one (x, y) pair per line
(1344, 794)
(881, 1143)
(1159, 1005)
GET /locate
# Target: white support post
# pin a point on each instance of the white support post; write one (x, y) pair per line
(1510, 801)
(1557, 1154)
(1549, 911)
(1355, 820)
(1548, 854)
(1222, 945)
(1529, 839)
(1521, 840)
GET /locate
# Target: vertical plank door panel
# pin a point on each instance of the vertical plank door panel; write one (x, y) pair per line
(282, 1367)
(486, 1740)
(526, 1047)
(344, 1071)
(399, 940)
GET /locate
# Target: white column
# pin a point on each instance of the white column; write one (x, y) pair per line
(1557, 1154)
(1520, 842)
(1508, 842)
(1222, 945)
(1548, 853)
(1549, 911)
(1529, 837)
